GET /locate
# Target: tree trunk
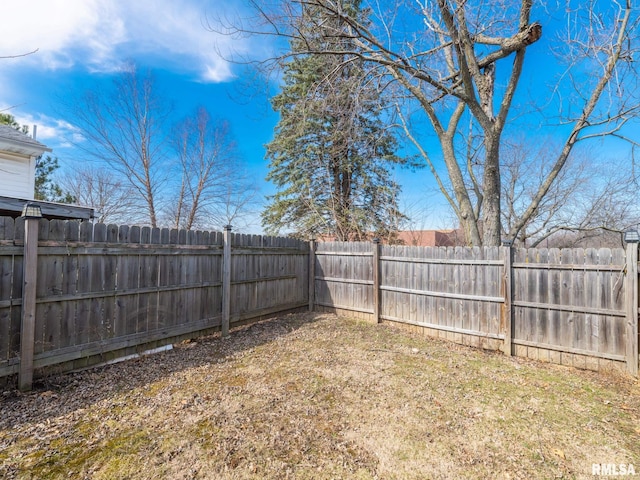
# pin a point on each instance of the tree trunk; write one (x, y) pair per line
(491, 223)
(464, 210)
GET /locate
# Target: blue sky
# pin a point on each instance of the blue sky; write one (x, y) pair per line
(84, 42)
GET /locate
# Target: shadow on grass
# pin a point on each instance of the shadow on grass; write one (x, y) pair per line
(58, 395)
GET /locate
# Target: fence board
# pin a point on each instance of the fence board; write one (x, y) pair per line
(554, 289)
(496, 269)
(443, 317)
(593, 278)
(571, 293)
(6, 269)
(618, 283)
(6, 276)
(54, 283)
(539, 327)
(519, 283)
(481, 324)
(16, 287)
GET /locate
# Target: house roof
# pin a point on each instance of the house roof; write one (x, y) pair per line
(14, 141)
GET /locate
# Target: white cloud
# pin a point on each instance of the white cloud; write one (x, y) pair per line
(53, 132)
(102, 34)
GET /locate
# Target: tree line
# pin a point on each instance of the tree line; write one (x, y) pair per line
(140, 168)
(368, 88)
(451, 70)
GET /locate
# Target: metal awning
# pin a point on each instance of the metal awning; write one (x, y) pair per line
(12, 207)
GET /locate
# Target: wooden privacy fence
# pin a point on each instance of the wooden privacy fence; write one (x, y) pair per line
(74, 294)
(569, 306)
(91, 293)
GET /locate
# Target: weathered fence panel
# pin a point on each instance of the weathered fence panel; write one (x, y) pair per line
(267, 273)
(103, 288)
(570, 301)
(451, 289)
(344, 277)
(565, 306)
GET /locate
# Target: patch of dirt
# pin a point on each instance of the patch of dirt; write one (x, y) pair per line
(313, 396)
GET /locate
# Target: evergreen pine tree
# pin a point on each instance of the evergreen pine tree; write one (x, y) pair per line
(332, 154)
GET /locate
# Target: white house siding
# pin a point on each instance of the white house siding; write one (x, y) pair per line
(17, 175)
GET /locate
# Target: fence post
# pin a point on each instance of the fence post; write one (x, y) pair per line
(507, 254)
(631, 299)
(226, 280)
(312, 274)
(32, 215)
(376, 280)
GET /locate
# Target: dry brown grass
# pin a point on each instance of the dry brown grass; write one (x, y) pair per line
(312, 397)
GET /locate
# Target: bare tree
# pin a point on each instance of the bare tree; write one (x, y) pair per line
(605, 208)
(238, 204)
(112, 197)
(188, 177)
(125, 127)
(444, 56)
(213, 188)
(590, 200)
(525, 167)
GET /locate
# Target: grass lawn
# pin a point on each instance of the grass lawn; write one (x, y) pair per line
(312, 396)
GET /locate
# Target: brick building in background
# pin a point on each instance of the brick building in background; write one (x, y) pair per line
(431, 238)
(419, 238)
